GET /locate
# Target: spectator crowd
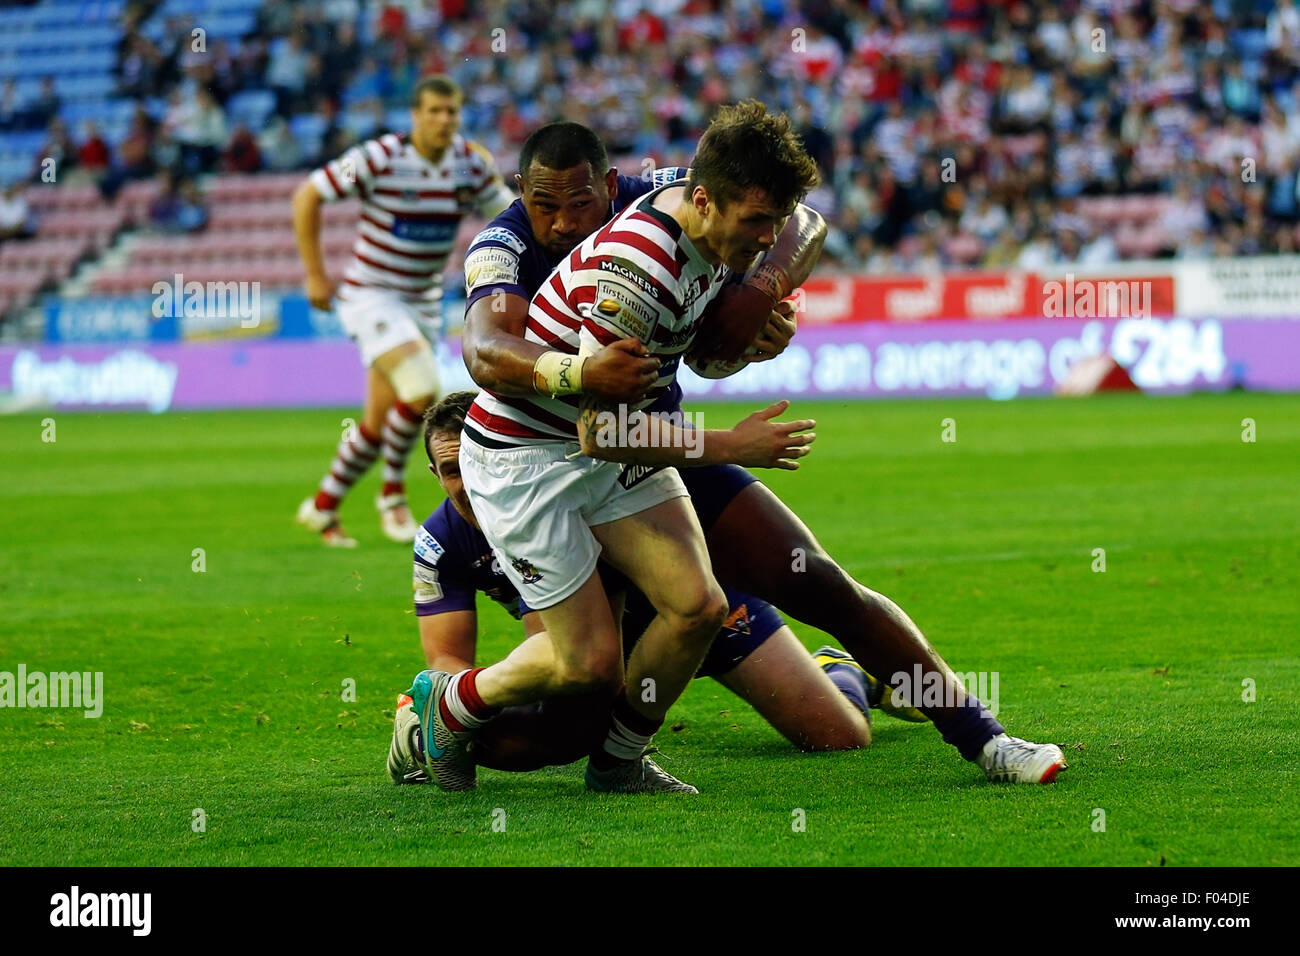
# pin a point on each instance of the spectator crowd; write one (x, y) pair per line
(949, 132)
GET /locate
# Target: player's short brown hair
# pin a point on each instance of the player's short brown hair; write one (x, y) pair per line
(747, 148)
(440, 85)
(446, 417)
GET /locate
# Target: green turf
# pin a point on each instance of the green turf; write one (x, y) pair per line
(223, 687)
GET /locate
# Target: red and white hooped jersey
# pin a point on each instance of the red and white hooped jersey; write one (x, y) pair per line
(410, 208)
(638, 276)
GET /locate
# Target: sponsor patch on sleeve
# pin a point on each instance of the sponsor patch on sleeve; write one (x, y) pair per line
(502, 235)
(618, 306)
(668, 174)
(491, 265)
(427, 546)
(426, 585)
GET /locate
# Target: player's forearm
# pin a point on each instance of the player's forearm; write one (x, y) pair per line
(635, 438)
(448, 640)
(503, 363)
(496, 354)
(450, 663)
(306, 228)
(789, 263)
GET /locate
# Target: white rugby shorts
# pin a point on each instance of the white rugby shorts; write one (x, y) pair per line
(536, 508)
(379, 320)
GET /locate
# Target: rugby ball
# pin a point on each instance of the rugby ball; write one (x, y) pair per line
(717, 368)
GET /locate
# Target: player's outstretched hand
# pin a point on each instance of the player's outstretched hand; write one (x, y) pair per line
(763, 443)
(622, 371)
(778, 332)
(320, 290)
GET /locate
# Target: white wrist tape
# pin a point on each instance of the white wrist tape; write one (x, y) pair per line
(558, 373)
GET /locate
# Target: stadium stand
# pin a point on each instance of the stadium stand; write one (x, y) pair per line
(952, 134)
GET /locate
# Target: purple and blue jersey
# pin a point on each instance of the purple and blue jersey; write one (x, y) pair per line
(453, 562)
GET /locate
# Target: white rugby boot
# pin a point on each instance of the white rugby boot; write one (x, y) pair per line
(405, 755)
(635, 776)
(395, 518)
(1012, 760)
(325, 523)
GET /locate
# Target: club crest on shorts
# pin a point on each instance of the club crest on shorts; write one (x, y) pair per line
(526, 570)
(738, 620)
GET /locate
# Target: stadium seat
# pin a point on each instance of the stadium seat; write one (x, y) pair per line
(1127, 239)
(964, 249)
(250, 107)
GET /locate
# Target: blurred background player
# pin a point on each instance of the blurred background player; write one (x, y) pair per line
(414, 191)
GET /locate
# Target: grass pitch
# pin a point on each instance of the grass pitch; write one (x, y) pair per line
(223, 685)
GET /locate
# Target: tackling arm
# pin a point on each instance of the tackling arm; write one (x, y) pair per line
(496, 354)
(641, 439)
(449, 640)
(499, 358)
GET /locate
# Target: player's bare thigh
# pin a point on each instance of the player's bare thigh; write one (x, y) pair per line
(579, 651)
(586, 638)
(753, 546)
(662, 551)
(781, 681)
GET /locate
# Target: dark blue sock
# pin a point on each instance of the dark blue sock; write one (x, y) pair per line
(852, 684)
(969, 728)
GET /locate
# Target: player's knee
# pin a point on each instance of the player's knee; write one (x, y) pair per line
(859, 737)
(837, 735)
(825, 576)
(598, 671)
(414, 380)
(696, 612)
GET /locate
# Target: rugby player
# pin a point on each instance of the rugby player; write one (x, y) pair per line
(414, 190)
(551, 497)
(754, 654)
(566, 191)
